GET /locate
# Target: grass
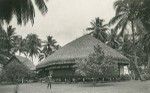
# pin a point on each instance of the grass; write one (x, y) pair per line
(119, 87)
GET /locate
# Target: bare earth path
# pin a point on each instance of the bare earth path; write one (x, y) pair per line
(119, 87)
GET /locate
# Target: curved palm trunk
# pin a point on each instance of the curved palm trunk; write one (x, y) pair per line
(32, 58)
(148, 64)
(134, 53)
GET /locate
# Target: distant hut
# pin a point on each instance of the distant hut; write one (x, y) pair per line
(18, 68)
(61, 63)
(25, 61)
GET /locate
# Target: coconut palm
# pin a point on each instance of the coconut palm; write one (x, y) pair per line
(145, 42)
(99, 29)
(49, 47)
(10, 37)
(22, 47)
(23, 10)
(33, 45)
(4, 53)
(19, 45)
(144, 14)
(145, 17)
(126, 16)
(113, 40)
(3, 40)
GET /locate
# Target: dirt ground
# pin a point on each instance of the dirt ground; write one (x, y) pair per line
(118, 87)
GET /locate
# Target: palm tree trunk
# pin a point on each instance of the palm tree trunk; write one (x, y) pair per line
(134, 52)
(148, 64)
(19, 53)
(32, 58)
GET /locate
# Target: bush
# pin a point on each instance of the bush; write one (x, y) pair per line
(125, 77)
(97, 65)
(146, 74)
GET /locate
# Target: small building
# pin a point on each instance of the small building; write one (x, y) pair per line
(18, 68)
(26, 62)
(61, 63)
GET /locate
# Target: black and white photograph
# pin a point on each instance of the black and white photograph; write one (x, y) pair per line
(74, 46)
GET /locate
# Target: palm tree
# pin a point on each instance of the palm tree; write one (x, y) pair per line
(145, 42)
(145, 17)
(99, 29)
(126, 15)
(33, 45)
(24, 10)
(113, 40)
(19, 45)
(5, 55)
(49, 47)
(3, 40)
(23, 47)
(8, 40)
(10, 37)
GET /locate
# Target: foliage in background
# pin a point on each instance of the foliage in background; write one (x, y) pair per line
(113, 41)
(97, 66)
(33, 45)
(23, 10)
(14, 72)
(98, 29)
(49, 46)
(127, 16)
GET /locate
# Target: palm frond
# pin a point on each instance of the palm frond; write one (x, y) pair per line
(121, 6)
(121, 22)
(23, 10)
(115, 19)
(123, 29)
(41, 5)
(89, 28)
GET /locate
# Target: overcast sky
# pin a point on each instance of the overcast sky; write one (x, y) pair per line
(67, 20)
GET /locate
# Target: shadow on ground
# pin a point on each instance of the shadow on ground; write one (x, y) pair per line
(97, 85)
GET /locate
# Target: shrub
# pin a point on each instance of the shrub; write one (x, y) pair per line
(125, 77)
(97, 66)
(146, 74)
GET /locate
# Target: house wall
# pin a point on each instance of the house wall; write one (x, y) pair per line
(124, 70)
(67, 71)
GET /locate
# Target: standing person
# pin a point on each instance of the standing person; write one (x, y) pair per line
(49, 78)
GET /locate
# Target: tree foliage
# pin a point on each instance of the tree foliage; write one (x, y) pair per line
(99, 29)
(15, 71)
(23, 10)
(33, 45)
(49, 46)
(97, 66)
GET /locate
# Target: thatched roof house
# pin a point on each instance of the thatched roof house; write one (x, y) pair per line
(61, 63)
(78, 49)
(17, 69)
(25, 61)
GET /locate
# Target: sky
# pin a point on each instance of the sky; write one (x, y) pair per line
(67, 20)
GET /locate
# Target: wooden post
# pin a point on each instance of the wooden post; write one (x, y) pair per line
(22, 80)
(65, 80)
(73, 79)
(83, 79)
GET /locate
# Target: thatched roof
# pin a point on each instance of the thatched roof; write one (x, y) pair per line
(26, 62)
(79, 48)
